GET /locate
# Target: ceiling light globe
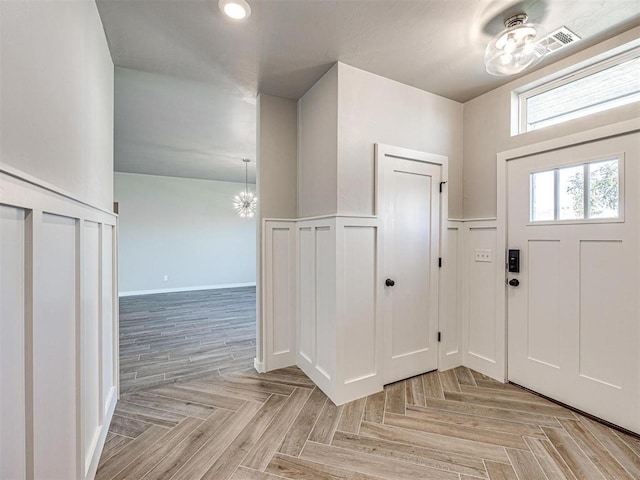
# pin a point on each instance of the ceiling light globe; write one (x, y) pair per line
(520, 46)
(506, 58)
(511, 44)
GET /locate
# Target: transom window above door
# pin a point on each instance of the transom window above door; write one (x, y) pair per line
(586, 192)
(609, 83)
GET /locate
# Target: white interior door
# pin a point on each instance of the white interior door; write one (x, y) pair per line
(409, 208)
(573, 320)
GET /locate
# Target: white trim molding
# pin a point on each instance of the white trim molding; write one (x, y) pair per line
(259, 366)
(186, 289)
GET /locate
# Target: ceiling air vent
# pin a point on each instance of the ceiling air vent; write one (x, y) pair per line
(561, 38)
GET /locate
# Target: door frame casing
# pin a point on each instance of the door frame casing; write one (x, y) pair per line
(502, 158)
(382, 150)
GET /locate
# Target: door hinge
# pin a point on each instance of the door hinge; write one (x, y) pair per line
(441, 185)
(439, 336)
(439, 262)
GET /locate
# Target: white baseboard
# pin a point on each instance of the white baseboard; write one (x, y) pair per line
(186, 289)
(259, 366)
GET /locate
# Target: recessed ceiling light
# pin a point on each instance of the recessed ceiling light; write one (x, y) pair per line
(235, 9)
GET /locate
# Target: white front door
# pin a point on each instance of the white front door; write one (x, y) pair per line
(573, 320)
(409, 209)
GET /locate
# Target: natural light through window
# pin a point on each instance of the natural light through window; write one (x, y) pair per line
(589, 191)
(601, 86)
(542, 204)
(571, 193)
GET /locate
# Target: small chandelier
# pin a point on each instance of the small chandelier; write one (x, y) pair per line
(245, 202)
(521, 45)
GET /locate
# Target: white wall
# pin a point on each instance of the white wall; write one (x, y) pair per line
(318, 147)
(340, 119)
(58, 358)
(174, 127)
(276, 182)
(56, 100)
(184, 228)
(277, 157)
(373, 109)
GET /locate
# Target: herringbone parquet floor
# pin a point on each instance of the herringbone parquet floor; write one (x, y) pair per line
(456, 425)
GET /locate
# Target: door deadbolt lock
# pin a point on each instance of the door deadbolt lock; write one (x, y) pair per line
(389, 283)
(514, 282)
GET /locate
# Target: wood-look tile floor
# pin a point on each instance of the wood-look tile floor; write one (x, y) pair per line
(456, 425)
(174, 336)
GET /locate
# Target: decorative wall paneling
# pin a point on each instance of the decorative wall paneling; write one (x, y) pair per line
(58, 348)
(471, 298)
(279, 294)
(320, 309)
(339, 340)
(483, 339)
(451, 296)
(316, 305)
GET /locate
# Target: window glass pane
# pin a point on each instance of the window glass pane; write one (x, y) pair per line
(571, 193)
(604, 190)
(542, 196)
(612, 87)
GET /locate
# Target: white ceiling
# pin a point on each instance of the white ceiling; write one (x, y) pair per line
(284, 47)
(180, 128)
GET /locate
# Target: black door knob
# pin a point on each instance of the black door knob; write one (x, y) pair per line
(389, 283)
(514, 282)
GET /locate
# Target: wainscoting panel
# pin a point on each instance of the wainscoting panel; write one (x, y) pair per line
(358, 302)
(359, 327)
(316, 304)
(56, 432)
(451, 297)
(484, 342)
(337, 305)
(325, 324)
(336, 322)
(12, 354)
(58, 349)
(109, 329)
(307, 294)
(279, 286)
(91, 400)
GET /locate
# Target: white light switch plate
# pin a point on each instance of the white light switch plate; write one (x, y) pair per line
(483, 255)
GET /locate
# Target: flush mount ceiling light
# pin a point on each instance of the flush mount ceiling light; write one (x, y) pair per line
(235, 9)
(521, 45)
(245, 202)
